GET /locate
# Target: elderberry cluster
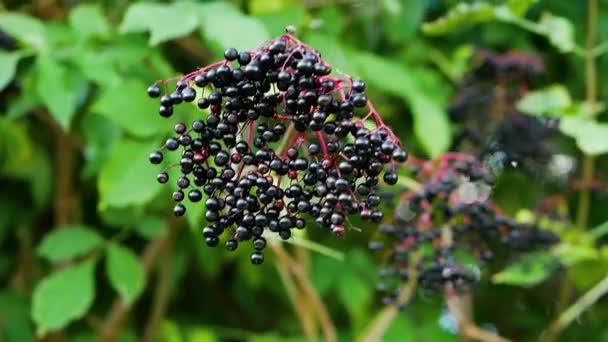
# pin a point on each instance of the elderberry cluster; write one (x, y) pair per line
(278, 141)
(485, 108)
(449, 214)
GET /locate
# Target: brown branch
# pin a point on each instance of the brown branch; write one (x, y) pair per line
(161, 296)
(297, 300)
(119, 310)
(384, 318)
(327, 325)
(466, 327)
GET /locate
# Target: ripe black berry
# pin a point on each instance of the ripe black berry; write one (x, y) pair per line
(154, 91)
(156, 157)
(231, 54)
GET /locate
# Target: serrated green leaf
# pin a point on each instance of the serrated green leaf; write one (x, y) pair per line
(63, 297)
(128, 106)
(8, 66)
(164, 21)
(559, 31)
(128, 178)
(57, 88)
(67, 242)
(24, 28)
(529, 271)
(590, 136)
(125, 272)
(243, 33)
(553, 100)
(88, 21)
(459, 16)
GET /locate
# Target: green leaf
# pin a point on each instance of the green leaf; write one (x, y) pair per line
(41, 180)
(57, 89)
(559, 31)
(402, 18)
(88, 21)
(200, 334)
(243, 33)
(599, 231)
(125, 272)
(459, 16)
(401, 329)
(128, 178)
(151, 227)
(552, 100)
(275, 22)
(520, 7)
(63, 297)
(24, 28)
(590, 136)
(8, 66)
(169, 331)
(128, 106)
(67, 242)
(16, 322)
(431, 126)
(333, 52)
(16, 149)
(571, 254)
(163, 21)
(429, 116)
(530, 270)
(354, 293)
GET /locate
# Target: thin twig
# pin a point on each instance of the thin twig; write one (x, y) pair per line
(327, 325)
(574, 311)
(119, 310)
(161, 296)
(466, 327)
(385, 317)
(307, 324)
(591, 99)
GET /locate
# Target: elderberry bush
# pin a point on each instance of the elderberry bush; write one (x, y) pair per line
(449, 214)
(485, 108)
(279, 142)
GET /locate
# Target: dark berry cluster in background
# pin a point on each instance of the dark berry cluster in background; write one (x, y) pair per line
(485, 109)
(279, 143)
(449, 213)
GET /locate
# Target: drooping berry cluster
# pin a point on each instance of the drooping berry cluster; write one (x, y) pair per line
(485, 107)
(282, 141)
(447, 214)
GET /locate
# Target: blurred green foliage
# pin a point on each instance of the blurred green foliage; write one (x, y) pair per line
(77, 191)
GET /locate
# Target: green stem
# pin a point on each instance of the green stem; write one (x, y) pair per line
(591, 98)
(580, 306)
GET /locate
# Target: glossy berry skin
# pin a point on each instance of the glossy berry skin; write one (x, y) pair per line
(156, 157)
(231, 54)
(154, 91)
